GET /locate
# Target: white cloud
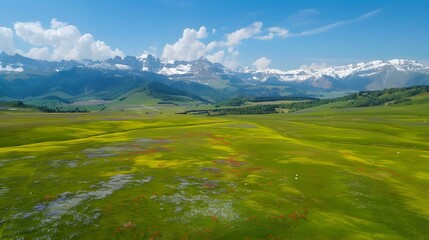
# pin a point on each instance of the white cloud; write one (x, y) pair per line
(191, 45)
(152, 51)
(6, 40)
(211, 46)
(62, 41)
(367, 15)
(273, 32)
(188, 47)
(241, 34)
(37, 53)
(216, 57)
(253, 31)
(230, 61)
(202, 32)
(261, 63)
(331, 26)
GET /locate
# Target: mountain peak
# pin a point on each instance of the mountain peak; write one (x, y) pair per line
(362, 69)
(203, 59)
(401, 61)
(117, 58)
(145, 56)
(203, 71)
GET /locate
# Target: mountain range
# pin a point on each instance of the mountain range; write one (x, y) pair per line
(22, 77)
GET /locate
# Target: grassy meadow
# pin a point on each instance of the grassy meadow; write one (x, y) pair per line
(318, 173)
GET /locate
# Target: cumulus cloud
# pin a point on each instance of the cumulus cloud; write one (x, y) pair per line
(273, 32)
(62, 41)
(6, 40)
(231, 59)
(261, 63)
(216, 57)
(241, 34)
(191, 45)
(37, 53)
(230, 63)
(211, 46)
(255, 31)
(188, 47)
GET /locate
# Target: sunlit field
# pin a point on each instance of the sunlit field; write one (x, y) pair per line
(319, 173)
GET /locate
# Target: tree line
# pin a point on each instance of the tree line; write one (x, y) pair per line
(59, 110)
(360, 99)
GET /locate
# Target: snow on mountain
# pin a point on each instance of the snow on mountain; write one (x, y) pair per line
(360, 69)
(176, 69)
(122, 66)
(150, 63)
(9, 68)
(244, 70)
(201, 70)
(18, 63)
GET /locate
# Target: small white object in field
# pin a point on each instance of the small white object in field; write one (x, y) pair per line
(296, 178)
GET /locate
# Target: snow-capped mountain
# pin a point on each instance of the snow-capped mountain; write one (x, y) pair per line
(196, 70)
(200, 70)
(371, 75)
(18, 63)
(361, 76)
(360, 69)
(10, 68)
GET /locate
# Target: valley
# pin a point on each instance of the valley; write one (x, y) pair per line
(316, 173)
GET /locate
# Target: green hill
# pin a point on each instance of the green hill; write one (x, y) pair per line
(387, 97)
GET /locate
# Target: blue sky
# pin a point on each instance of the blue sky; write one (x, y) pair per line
(279, 34)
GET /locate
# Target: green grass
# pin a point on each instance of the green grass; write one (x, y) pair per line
(318, 173)
(130, 102)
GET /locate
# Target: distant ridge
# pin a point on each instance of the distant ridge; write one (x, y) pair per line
(216, 81)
